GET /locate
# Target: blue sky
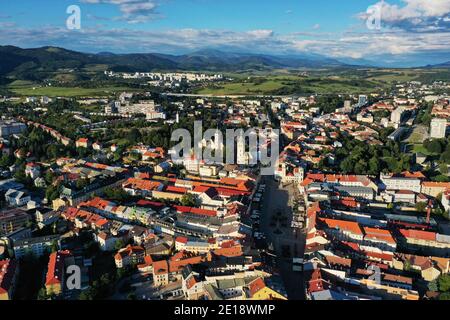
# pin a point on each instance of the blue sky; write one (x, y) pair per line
(413, 32)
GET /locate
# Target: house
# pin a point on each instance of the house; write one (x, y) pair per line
(82, 143)
(17, 198)
(192, 286)
(13, 220)
(37, 246)
(344, 230)
(258, 290)
(56, 271)
(40, 183)
(401, 182)
(97, 146)
(160, 273)
(32, 170)
(9, 270)
(131, 255)
(433, 189)
(106, 241)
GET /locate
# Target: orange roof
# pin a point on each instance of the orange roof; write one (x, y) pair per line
(176, 189)
(234, 251)
(416, 174)
(128, 251)
(349, 226)
(191, 282)
(181, 240)
(148, 261)
(418, 234)
(430, 184)
(140, 184)
(256, 285)
(379, 234)
(8, 270)
(56, 266)
(160, 267)
(175, 266)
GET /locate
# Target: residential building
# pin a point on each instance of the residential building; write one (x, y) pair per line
(17, 198)
(36, 246)
(56, 271)
(438, 128)
(9, 270)
(12, 220)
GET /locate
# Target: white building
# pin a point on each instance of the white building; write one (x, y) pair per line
(401, 183)
(16, 198)
(396, 115)
(438, 128)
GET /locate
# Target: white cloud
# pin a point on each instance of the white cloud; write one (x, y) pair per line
(415, 15)
(133, 11)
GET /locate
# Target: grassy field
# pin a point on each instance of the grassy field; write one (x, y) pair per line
(421, 149)
(26, 88)
(291, 84)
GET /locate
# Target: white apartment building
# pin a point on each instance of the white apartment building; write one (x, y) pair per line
(401, 183)
(396, 115)
(438, 128)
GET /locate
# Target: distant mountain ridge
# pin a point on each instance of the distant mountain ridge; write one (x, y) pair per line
(34, 63)
(441, 65)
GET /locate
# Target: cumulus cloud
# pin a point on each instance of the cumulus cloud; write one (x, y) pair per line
(415, 15)
(355, 45)
(133, 11)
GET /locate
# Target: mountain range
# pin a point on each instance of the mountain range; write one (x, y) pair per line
(29, 63)
(37, 63)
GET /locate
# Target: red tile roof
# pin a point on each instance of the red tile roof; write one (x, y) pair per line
(56, 264)
(379, 234)
(348, 226)
(8, 269)
(418, 234)
(255, 286)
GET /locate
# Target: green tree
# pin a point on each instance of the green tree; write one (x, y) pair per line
(444, 283)
(347, 165)
(444, 296)
(189, 200)
(119, 244)
(421, 206)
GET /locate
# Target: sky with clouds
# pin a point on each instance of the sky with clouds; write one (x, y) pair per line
(410, 32)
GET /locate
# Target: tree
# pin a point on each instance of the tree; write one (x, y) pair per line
(6, 160)
(444, 296)
(433, 146)
(49, 176)
(421, 206)
(189, 200)
(119, 244)
(82, 183)
(42, 294)
(444, 283)
(374, 166)
(134, 135)
(347, 165)
(51, 193)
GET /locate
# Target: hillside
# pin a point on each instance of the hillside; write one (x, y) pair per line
(36, 64)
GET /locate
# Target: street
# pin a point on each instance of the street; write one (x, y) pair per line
(278, 202)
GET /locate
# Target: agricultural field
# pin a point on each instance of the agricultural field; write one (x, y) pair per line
(291, 84)
(27, 88)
